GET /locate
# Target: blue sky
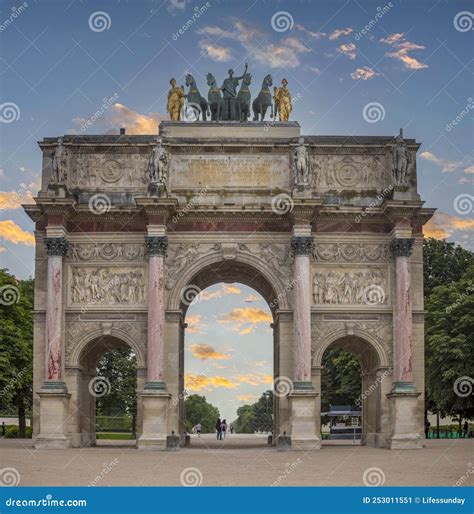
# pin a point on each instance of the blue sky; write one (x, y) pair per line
(62, 61)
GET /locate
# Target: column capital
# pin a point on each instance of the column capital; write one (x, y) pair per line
(56, 246)
(302, 245)
(402, 246)
(156, 245)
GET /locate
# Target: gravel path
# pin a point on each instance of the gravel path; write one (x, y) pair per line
(240, 460)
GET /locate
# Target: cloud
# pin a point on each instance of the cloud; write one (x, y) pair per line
(364, 73)
(201, 382)
(205, 351)
(246, 320)
(312, 69)
(254, 298)
(215, 52)
(10, 231)
(225, 290)
(401, 48)
(2, 249)
(247, 397)
(118, 115)
(195, 325)
(255, 42)
(340, 32)
(255, 379)
(469, 169)
(442, 225)
(445, 165)
(176, 6)
(348, 49)
(311, 34)
(14, 199)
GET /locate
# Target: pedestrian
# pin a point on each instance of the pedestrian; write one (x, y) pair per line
(198, 429)
(427, 428)
(223, 428)
(231, 428)
(465, 429)
(218, 428)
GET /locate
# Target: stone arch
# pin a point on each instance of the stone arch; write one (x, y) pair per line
(83, 345)
(243, 267)
(344, 337)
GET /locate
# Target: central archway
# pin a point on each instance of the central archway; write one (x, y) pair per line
(231, 271)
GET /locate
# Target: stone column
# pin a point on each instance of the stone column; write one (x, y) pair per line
(403, 398)
(303, 406)
(56, 248)
(54, 398)
(301, 247)
(155, 397)
(402, 330)
(156, 248)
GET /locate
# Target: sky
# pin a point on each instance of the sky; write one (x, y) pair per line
(353, 67)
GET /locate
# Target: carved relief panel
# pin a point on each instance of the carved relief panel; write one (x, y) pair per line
(109, 170)
(106, 251)
(352, 173)
(100, 286)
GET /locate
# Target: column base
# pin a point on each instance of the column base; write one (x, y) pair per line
(405, 434)
(303, 418)
(155, 419)
(54, 410)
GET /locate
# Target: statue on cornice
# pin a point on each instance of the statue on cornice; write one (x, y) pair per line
(301, 166)
(158, 169)
(59, 164)
(401, 161)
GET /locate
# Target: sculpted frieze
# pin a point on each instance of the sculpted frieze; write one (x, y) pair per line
(106, 252)
(351, 252)
(350, 287)
(107, 286)
(349, 172)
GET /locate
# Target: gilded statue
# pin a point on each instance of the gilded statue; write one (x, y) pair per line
(175, 100)
(282, 99)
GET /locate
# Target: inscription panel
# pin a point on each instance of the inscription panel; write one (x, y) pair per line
(231, 170)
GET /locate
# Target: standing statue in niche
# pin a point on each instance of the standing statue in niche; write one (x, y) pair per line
(158, 170)
(175, 100)
(301, 168)
(229, 89)
(401, 161)
(282, 99)
(59, 164)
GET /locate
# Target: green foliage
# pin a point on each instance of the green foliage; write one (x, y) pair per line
(114, 423)
(198, 410)
(443, 263)
(13, 431)
(119, 367)
(256, 417)
(16, 345)
(450, 346)
(341, 379)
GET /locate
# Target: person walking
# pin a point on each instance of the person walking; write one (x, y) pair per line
(223, 428)
(465, 429)
(218, 428)
(198, 429)
(231, 428)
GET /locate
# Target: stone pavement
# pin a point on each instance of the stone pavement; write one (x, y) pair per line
(240, 460)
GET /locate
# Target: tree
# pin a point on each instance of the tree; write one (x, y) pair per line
(199, 410)
(450, 347)
(16, 345)
(341, 379)
(256, 417)
(245, 420)
(443, 263)
(119, 368)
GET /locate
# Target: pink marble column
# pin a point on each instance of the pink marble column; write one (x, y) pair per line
(402, 344)
(301, 247)
(56, 248)
(156, 248)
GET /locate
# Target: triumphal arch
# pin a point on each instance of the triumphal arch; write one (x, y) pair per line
(328, 229)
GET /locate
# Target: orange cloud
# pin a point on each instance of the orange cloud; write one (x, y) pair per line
(201, 382)
(14, 199)
(215, 52)
(205, 351)
(364, 73)
(442, 225)
(230, 289)
(247, 397)
(246, 320)
(224, 291)
(255, 379)
(349, 50)
(195, 325)
(401, 48)
(339, 32)
(10, 231)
